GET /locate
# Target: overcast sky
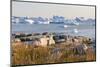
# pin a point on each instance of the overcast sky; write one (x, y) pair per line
(49, 10)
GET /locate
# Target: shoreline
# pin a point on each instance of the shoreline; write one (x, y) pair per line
(56, 37)
(47, 47)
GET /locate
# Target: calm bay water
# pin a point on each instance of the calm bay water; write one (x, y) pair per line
(83, 30)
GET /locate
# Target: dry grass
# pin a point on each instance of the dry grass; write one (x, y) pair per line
(23, 55)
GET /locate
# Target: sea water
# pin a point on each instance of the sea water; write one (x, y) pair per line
(82, 30)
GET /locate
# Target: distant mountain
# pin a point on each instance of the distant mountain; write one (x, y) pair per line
(21, 20)
(82, 19)
(53, 20)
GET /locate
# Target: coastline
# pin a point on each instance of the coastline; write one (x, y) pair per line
(38, 48)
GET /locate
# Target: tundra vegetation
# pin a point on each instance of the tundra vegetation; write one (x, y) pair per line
(75, 49)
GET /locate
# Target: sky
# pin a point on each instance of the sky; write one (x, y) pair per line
(45, 10)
